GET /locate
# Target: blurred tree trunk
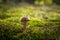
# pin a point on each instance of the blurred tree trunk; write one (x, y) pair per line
(22, 0)
(4, 1)
(56, 2)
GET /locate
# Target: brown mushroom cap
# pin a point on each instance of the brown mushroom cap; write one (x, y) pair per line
(25, 19)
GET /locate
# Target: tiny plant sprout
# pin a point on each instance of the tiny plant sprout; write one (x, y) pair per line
(24, 21)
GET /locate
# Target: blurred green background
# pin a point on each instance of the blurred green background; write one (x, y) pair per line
(44, 21)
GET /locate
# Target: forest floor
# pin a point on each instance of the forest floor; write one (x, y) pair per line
(44, 20)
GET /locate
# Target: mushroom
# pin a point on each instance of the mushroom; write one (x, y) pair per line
(24, 20)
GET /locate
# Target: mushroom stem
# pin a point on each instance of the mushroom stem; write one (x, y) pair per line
(24, 26)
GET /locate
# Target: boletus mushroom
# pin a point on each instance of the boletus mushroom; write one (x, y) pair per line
(24, 20)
